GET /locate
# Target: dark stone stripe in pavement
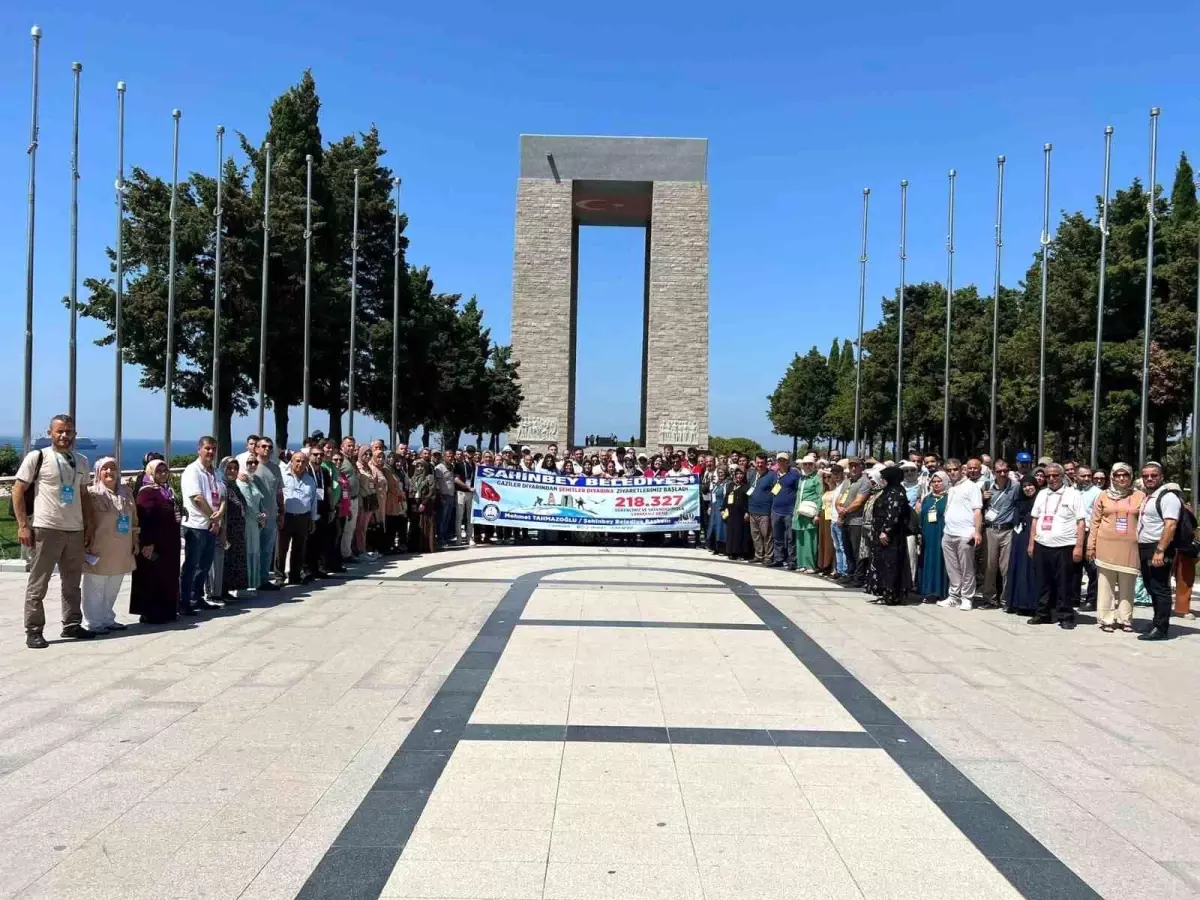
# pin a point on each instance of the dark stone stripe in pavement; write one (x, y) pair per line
(631, 623)
(358, 866)
(363, 855)
(647, 734)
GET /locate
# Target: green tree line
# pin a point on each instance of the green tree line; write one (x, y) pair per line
(814, 400)
(452, 376)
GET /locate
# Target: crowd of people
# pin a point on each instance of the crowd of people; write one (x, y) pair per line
(962, 535)
(968, 535)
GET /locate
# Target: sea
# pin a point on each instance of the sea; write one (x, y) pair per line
(133, 450)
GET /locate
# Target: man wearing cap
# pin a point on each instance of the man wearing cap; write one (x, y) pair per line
(1024, 461)
(783, 505)
(761, 501)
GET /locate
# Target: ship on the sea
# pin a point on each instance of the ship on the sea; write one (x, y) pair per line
(81, 443)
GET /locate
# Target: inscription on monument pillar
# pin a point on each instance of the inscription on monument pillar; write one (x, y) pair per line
(538, 428)
(676, 432)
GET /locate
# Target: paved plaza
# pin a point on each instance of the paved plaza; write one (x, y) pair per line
(579, 723)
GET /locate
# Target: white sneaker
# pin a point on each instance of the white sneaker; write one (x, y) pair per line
(948, 603)
(966, 604)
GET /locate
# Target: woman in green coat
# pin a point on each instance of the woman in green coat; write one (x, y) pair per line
(256, 514)
(809, 494)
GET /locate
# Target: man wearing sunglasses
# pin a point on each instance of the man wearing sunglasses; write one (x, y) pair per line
(1056, 547)
(1156, 531)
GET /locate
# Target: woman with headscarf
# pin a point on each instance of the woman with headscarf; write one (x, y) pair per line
(718, 487)
(111, 540)
(154, 593)
(736, 514)
(1113, 547)
(912, 488)
(256, 512)
(867, 538)
(368, 503)
(1022, 588)
(826, 551)
(888, 577)
(809, 494)
(233, 534)
(424, 495)
(934, 583)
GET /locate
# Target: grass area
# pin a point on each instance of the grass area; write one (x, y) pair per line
(9, 548)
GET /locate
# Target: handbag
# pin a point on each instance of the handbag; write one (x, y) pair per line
(808, 509)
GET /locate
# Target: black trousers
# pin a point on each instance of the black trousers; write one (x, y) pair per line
(1059, 588)
(851, 537)
(294, 535)
(1158, 584)
(1086, 568)
(318, 544)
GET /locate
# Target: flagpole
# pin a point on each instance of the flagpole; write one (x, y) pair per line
(1149, 287)
(949, 309)
(27, 419)
(73, 296)
(353, 308)
(216, 365)
(1045, 241)
(262, 313)
(1108, 136)
(308, 163)
(120, 279)
(1196, 391)
(169, 372)
(900, 318)
(996, 298)
(395, 324)
(862, 305)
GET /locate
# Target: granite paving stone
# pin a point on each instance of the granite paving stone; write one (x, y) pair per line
(296, 748)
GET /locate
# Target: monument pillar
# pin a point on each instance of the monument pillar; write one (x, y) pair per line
(659, 184)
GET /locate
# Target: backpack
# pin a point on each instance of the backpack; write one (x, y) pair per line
(1184, 539)
(30, 491)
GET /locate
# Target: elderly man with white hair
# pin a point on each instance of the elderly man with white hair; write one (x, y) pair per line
(1056, 547)
(299, 516)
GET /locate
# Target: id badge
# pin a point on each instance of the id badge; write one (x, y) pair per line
(1047, 523)
(776, 489)
(123, 524)
(990, 516)
(66, 494)
(1122, 524)
(931, 516)
(320, 493)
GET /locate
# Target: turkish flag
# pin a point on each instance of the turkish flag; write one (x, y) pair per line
(488, 492)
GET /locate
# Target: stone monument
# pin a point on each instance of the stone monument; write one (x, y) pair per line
(660, 184)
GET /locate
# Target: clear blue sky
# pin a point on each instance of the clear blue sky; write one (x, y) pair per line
(803, 106)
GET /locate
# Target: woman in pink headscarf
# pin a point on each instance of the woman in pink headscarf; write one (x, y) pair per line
(111, 539)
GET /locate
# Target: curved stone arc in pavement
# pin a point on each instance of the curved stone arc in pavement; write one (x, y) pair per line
(1029, 867)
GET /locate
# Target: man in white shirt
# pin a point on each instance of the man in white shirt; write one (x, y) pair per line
(963, 533)
(1088, 494)
(1056, 547)
(48, 503)
(1156, 530)
(203, 492)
